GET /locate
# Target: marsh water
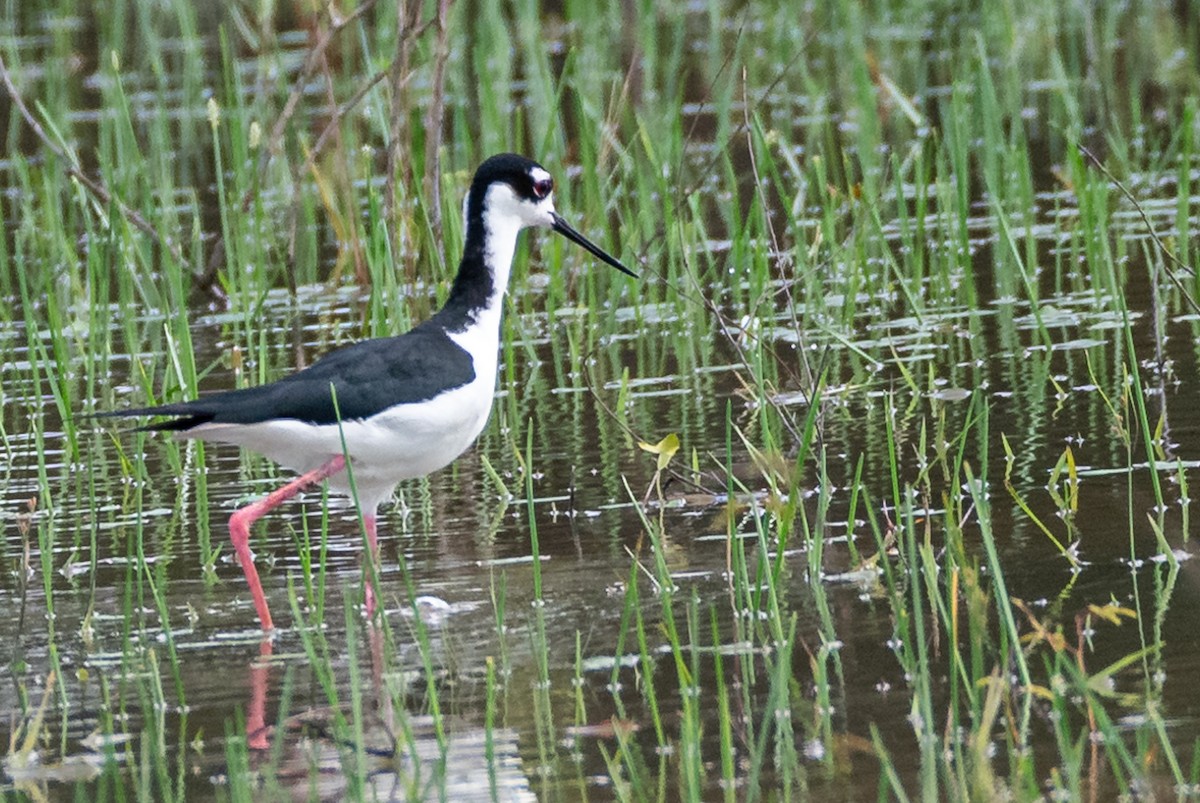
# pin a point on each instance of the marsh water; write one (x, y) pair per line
(123, 578)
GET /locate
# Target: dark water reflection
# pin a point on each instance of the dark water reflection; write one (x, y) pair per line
(460, 545)
(452, 537)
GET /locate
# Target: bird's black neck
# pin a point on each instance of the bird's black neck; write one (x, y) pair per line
(478, 291)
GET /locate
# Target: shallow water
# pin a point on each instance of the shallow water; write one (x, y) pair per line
(458, 543)
(143, 515)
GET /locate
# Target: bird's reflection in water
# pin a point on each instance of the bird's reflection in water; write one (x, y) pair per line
(399, 757)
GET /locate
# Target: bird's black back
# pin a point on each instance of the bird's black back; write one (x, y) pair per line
(367, 378)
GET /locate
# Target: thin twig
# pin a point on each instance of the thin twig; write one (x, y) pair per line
(698, 296)
(783, 261)
(207, 279)
(95, 187)
(315, 59)
(399, 169)
(1191, 302)
(332, 126)
(327, 135)
(590, 383)
(433, 128)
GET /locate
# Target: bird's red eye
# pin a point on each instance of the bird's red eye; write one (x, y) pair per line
(542, 187)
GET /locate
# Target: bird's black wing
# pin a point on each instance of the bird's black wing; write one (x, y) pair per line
(369, 377)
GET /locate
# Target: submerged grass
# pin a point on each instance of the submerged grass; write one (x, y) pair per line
(880, 288)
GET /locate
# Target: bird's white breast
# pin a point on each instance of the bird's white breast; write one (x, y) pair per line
(402, 442)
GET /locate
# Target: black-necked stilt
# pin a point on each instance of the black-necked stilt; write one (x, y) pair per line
(408, 405)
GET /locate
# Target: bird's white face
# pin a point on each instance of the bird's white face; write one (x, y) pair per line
(504, 206)
(519, 194)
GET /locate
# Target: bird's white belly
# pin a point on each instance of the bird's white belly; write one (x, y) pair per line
(403, 442)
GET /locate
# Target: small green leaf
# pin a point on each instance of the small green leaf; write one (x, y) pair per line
(665, 449)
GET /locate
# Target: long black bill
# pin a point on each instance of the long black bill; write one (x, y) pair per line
(564, 228)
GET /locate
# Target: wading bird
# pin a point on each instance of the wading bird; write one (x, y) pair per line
(398, 407)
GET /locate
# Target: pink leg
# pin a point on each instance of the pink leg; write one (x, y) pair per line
(256, 724)
(241, 521)
(373, 543)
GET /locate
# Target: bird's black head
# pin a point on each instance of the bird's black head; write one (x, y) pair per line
(510, 193)
(529, 180)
